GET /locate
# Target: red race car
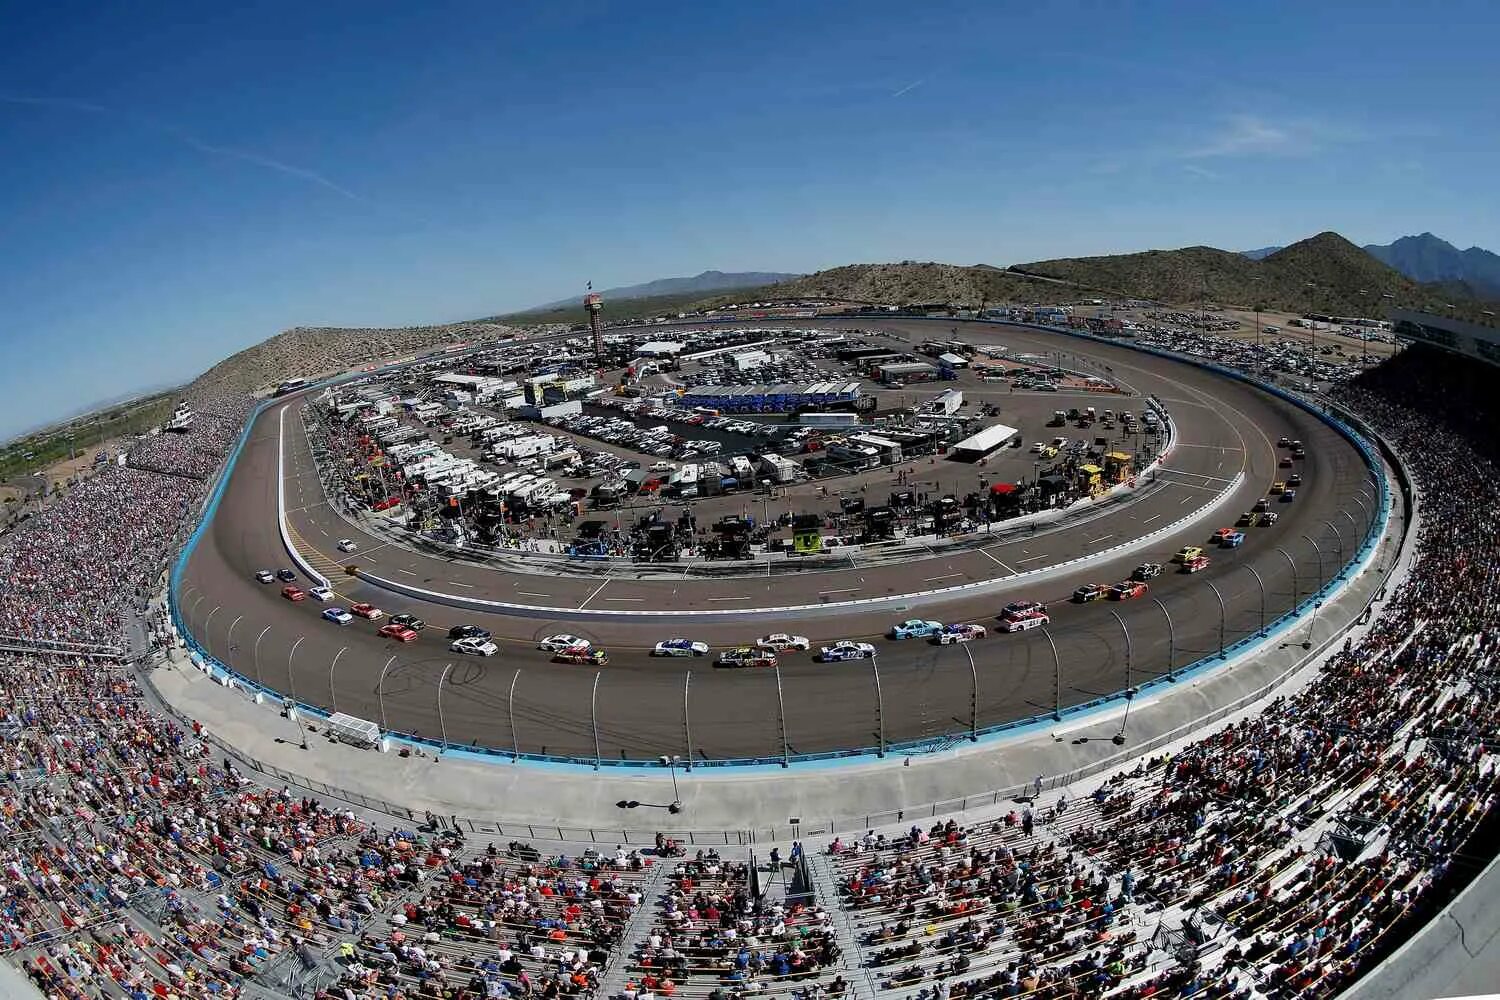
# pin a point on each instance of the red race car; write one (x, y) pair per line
(294, 593)
(1127, 590)
(369, 611)
(398, 632)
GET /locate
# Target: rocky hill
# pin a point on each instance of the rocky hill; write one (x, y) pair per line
(305, 352)
(909, 283)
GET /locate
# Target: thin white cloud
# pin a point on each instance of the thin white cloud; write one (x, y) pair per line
(1198, 171)
(909, 87)
(1245, 135)
(185, 138)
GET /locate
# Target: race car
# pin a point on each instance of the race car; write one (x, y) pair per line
(264, 576)
(294, 593)
(1146, 571)
(398, 632)
(1187, 553)
(1288, 496)
(465, 631)
(1020, 609)
(1233, 540)
(1294, 480)
(746, 656)
(1278, 488)
(321, 593)
(410, 621)
(680, 647)
(1088, 592)
(1269, 518)
(1284, 442)
(1285, 463)
(474, 646)
(846, 649)
(781, 642)
(285, 575)
(1127, 590)
(962, 632)
(562, 640)
(1262, 505)
(348, 545)
(585, 655)
(914, 628)
(1025, 620)
(1195, 564)
(1299, 452)
(371, 613)
(1221, 534)
(338, 615)
(1247, 520)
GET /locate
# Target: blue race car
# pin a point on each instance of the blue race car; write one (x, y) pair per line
(1233, 540)
(915, 628)
(338, 615)
(846, 649)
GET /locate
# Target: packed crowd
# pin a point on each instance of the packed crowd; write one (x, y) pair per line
(197, 451)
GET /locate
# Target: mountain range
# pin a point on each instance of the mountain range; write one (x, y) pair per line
(1431, 259)
(704, 282)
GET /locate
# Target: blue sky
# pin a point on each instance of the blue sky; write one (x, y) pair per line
(179, 182)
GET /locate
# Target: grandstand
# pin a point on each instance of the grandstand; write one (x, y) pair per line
(1285, 853)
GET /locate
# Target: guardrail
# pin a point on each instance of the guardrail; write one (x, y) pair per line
(1362, 556)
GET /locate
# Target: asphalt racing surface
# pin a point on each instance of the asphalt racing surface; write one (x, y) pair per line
(644, 705)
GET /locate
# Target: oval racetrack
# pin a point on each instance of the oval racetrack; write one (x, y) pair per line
(643, 705)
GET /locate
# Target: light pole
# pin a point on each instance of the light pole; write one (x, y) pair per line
(594, 716)
(1262, 585)
(1338, 540)
(1171, 641)
(442, 725)
(786, 756)
(879, 703)
(687, 720)
(1319, 552)
(1296, 586)
(292, 686)
(256, 652)
(671, 761)
(229, 636)
(510, 707)
(1311, 623)
(1056, 678)
(973, 695)
(207, 640)
(380, 692)
(333, 695)
(1129, 676)
(1222, 615)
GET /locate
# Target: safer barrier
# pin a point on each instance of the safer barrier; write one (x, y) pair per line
(286, 538)
(1363, 555)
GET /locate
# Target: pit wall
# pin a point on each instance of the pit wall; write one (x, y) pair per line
(1366, 553)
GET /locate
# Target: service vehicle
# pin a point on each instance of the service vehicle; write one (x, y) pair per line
(1288, 496)
(746, 656)
(410, 621)
(398, 632)
(914, 628)
(1233, 540)
(1187, 553)
(1018, 609)
(961, 632)
(1089, 592)
(846, 649)
(321, 593)
(338, 615)
(780, 642)
(265, 576)
(369, 612)
(294, 593)
(474, 646)
(680, 647)
(285, 575)
(348, 545)
(1025, 620)
(1195, 565)
(562, 640)
(1146, 571)
(465, 631)
(585, 655)
(1127, 590)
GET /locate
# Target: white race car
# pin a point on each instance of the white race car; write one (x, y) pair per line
(780, 642)
(474, 646)
(348, 545)
(680, 647)
(846, 649)
(1024, 620)
(962, 632)
(554, 643)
